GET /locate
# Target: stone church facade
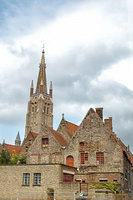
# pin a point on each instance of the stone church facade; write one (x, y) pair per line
(89, 152)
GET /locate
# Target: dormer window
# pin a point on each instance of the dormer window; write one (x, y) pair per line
(45, 142)
(26, 149)
(30, 142)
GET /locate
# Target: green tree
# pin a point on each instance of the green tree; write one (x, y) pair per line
(5, 157)
(22, 159)
(18, 159)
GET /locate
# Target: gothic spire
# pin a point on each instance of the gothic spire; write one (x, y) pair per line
(18, 140)
(42, 75)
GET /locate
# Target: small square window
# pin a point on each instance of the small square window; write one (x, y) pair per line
(30, 142)
(103, 180)
(37, 179)
(26, 149)
(26, 179)
(45, 142)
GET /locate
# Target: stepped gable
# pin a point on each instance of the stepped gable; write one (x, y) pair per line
(59, 137)
(123, 146)
(12, 148)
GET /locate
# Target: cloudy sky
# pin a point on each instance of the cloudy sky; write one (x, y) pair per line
(89, 56)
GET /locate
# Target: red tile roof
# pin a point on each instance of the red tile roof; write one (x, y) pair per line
(71, 128)
(12, 148)
(34, 134)
(59, 137)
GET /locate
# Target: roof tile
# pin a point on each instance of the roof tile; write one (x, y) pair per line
(59, 137)
(13, 149)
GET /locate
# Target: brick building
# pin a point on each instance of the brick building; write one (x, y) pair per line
(92, 150)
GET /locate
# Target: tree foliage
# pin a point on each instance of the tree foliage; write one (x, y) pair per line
(109, 185)
(5, 157)
(18, 159)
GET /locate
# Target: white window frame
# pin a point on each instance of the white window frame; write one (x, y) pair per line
(37, 179)
(26, 179)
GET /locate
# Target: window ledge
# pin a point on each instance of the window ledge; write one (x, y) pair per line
(36, 185)
(25, 185)
(44, 145)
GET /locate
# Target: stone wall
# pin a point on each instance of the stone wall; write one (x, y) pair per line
(38, 154)
(92, 177)
(96, 138)
(11, 183)
(39, 112)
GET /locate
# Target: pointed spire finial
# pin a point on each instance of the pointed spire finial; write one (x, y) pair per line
(31, 88)
(51, 90)
(43, 48)
(43, 57)
(63, 116)
(50, 85)
(42, 75)
(31, 84)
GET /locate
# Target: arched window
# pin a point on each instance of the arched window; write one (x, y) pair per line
(70, 161)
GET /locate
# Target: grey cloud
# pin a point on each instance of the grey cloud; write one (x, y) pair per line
(74, 72)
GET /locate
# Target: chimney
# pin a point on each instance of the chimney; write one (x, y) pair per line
(108, 123)
(99, 111)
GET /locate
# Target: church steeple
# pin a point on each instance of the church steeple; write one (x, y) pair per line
(18, 140)
(42, 75)
(40, 104)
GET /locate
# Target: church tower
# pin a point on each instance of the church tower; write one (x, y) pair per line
(40, 105)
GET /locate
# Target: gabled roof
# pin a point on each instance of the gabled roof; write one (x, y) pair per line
(72, 127)
(34, 134)
(59, 137)
(12, 148)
